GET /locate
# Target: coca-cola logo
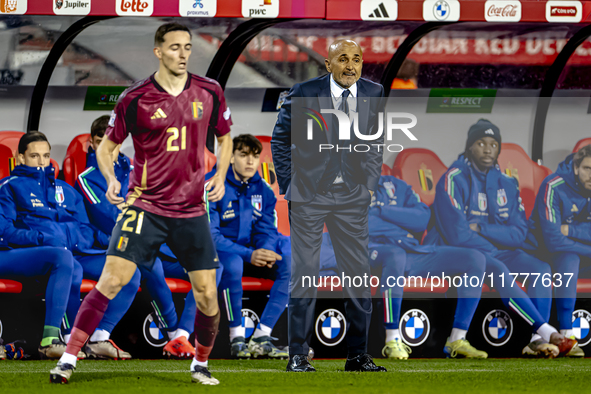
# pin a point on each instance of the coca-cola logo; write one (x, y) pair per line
(563, 11)
(506, 11)
(133, 6)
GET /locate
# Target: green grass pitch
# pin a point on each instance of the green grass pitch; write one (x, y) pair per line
(267, 376)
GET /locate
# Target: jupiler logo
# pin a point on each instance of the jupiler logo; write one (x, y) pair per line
(348, 122)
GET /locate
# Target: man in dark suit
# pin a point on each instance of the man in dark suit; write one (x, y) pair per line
(329, 171)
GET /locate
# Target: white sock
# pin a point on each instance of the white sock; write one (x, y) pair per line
(195, 362)
(456, 334)
(535, 337)
(179, 333)
(68, 359)
(100, 335)
(237, 331)
(567, 333)
(392, 334)
(262, 331)
(546, 331)
(67, 338)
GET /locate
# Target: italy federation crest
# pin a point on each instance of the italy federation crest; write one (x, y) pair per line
(482, 201)
(257, 202)
(390, 189)
(59, 194)
(501, 197)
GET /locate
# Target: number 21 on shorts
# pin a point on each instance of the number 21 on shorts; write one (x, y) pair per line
(130, 218)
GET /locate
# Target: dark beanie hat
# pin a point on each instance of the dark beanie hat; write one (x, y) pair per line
(480, 129)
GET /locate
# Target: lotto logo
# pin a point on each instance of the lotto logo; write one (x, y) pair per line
(134, 7)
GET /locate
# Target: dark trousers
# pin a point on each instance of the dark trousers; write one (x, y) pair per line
(345, 213)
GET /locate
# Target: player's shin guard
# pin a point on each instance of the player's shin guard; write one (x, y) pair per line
(206, 329)
(89, 316)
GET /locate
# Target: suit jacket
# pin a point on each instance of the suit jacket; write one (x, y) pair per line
(299, 163)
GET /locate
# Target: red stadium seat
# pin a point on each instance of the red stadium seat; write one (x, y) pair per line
(75, 160)
(256, 284)
(209, 160)
(10, 139)
(282, 216)
(420, 168)
(178, 285)
(10, 286)
(5, 156)
(87, 285)
(516, 163)
(267, 168)
(387, 170)
(581, 143)
(583, 285)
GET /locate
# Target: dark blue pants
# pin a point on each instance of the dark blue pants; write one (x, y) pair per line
(58, 262)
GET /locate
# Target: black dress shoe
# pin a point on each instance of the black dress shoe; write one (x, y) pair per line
(362, 363)
(299, 363)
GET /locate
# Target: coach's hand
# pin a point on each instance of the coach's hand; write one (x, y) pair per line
(215, 188)
(475, 227)
(264, 258)
(113, 192)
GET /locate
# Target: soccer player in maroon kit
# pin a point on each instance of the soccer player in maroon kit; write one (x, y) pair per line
(168, 115)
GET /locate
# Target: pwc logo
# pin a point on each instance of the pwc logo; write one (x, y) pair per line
(260, 8)
(134, 7)
(564, 11)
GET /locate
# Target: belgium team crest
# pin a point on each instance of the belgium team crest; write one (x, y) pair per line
(197, 107)
(426, 179)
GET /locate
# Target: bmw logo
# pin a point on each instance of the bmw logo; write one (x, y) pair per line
(250, 321)
(151, 332)
(441, 10)
(414, 327)
(497, 327)
(581, 324)
(1, 329)
(330, 327)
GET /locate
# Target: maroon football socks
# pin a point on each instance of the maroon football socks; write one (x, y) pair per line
(206, 329)
(89, 316)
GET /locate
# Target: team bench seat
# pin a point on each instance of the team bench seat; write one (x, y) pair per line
(175, 285)
(8, 286)
(409, 288)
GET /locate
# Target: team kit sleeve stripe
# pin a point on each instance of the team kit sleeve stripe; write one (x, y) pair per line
(549, 198)
(450, 186)
(88, 193)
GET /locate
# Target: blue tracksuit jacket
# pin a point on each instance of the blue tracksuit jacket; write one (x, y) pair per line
(244, 219)
(93, 186)
(561, 200)
(40, 210)
(464, 196)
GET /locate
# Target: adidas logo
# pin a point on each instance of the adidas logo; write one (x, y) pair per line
(574, 208)
(158, 114)
(379, 12)
(489, 131)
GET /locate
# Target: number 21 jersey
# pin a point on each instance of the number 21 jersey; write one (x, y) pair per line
(169, 136)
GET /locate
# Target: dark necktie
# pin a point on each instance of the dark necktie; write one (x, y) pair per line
(344, 104)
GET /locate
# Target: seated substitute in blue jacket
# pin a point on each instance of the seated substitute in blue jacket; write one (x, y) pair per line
(92, 185)
(397, 219)
(560, 231)
(478, 207)
(29, 253)
(244, 231)
(33, 199)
